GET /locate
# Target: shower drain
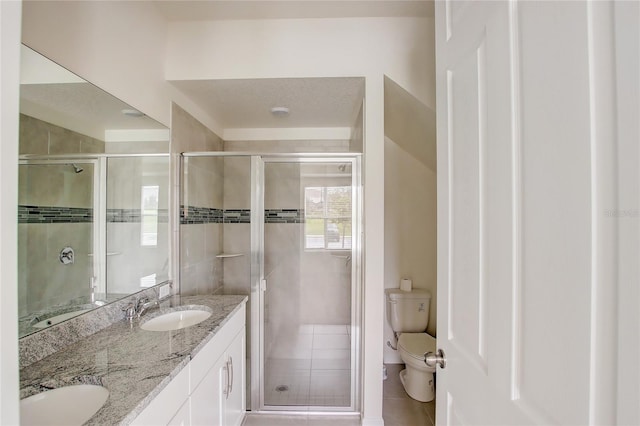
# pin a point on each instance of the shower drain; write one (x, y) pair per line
(282, 388)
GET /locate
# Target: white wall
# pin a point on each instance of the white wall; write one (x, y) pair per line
(402, 48)
(9, 102)
(409, 229)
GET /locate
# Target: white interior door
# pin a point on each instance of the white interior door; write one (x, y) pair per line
(528, 194)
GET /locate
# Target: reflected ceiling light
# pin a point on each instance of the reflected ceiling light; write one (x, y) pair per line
(280, 111)
(132, 112)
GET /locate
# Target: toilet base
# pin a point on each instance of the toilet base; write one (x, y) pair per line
(418, 385)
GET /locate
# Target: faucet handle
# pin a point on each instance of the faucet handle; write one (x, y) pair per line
(129, 311)
(140, 302)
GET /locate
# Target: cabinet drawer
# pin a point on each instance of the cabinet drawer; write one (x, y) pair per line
(215, 348)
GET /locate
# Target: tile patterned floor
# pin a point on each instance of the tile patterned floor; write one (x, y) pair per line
(398, 409)
(310, 368)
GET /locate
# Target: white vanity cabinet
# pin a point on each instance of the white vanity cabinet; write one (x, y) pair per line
(214, 393)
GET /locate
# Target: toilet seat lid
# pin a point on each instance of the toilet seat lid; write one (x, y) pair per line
(416, 344)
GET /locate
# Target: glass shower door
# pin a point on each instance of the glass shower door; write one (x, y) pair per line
(308, 313)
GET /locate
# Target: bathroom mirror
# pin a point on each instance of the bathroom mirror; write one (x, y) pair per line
(93, 196)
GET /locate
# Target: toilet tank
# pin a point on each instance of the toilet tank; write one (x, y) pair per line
(408, 311)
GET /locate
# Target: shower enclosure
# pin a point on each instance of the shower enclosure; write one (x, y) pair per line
(285, 230)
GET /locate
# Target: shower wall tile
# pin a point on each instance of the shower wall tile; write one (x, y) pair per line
(282, 186)
(212, 240)
(189, 135)
(34, 135)
(63, 141)
(45, 279)
(282, 271)
(55, 186)
(192, 244)
(199, 279)
(202, 185)
(40, 137)
(129, 175)
(237, 183)
(199, 180)
(325, 276)
(128, 261)
(200, 271)
(237, 270)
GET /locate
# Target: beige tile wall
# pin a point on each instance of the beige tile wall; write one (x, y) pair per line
(200, 272)
(129, 260)
(39, 137)
(42, 280)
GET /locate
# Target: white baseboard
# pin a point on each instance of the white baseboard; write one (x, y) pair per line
(378, 421)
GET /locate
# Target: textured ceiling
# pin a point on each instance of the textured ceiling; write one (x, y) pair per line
(190, 10)
(84, 102)
(313, 102)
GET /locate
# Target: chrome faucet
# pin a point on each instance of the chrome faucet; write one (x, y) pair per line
(143, 304)
(137, 307)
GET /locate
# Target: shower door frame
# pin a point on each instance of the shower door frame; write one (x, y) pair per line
(259, 284)
(255, 399)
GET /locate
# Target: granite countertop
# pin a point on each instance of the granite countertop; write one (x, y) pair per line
(133, 364)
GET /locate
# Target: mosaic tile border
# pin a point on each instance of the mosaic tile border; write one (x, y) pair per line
(191, 215)
(48, 214)
(237, 216)
(284, 216)
(133, 215)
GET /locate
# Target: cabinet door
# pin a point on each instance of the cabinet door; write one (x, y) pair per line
(182, 417)
(207, 399)
(235, 403)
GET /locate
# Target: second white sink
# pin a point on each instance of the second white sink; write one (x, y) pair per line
(70, 405)
(175, 320)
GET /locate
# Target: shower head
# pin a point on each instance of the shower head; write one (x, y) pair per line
(76, 168)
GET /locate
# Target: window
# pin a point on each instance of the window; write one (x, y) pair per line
(149, 216)
(327, 217)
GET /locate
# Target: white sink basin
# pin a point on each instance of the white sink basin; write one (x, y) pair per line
(175, 320)
(70, 405)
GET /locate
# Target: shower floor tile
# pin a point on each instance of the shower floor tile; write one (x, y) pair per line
(312, 368)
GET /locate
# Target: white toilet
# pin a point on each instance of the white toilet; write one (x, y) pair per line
(408, 315)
